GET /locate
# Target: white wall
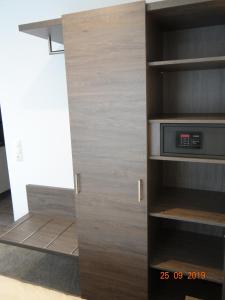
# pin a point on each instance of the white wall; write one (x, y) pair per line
(33, 98)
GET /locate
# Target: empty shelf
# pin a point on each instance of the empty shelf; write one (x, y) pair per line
(213, 274)
(190, 252)
(197, 206)
(179, 289)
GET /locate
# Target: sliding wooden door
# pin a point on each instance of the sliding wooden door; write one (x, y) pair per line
(106, 73)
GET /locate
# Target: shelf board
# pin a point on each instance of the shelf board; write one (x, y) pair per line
(43, 29)
(180, 251)
(188, 159)
(213, 275)
(180, 289)
(204, 207)
(189, 118)
(189, 64)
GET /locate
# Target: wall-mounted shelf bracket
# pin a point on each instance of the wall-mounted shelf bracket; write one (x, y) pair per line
(50, 30)
(51, 51)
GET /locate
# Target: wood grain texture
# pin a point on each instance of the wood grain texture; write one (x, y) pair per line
(202, 200)
(24, 229)
(154, 46)
(51, 200)
(174, 14)
(198, 228)
(189, 91)
(155, 5)
(6, 202)
(207, 177)
(179, 289)
(202, 44)
(47, 234)
(42, 29)
(202, 207)
(190, 252)
(202, 63)
(186, 196)
(6, 211)
(106, 74)
(66, 242)
(43, 233)
(194, 92)
(175, 265)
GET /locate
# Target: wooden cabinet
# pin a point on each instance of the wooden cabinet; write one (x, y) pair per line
(118, 181)
(106, 74)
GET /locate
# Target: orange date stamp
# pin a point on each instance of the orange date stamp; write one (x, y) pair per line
(181, 275)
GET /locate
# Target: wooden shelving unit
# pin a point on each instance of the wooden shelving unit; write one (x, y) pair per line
(204, 207)
(190, 252)
(186, 78)
(184, 218)
(173, 265)
(180, 289)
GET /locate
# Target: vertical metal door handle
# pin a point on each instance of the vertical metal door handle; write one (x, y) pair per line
(77, 183)
(140, 190)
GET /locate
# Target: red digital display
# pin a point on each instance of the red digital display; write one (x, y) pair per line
(189, 140)
(185, 135)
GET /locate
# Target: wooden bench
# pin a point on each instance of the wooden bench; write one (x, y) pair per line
(51, 224)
